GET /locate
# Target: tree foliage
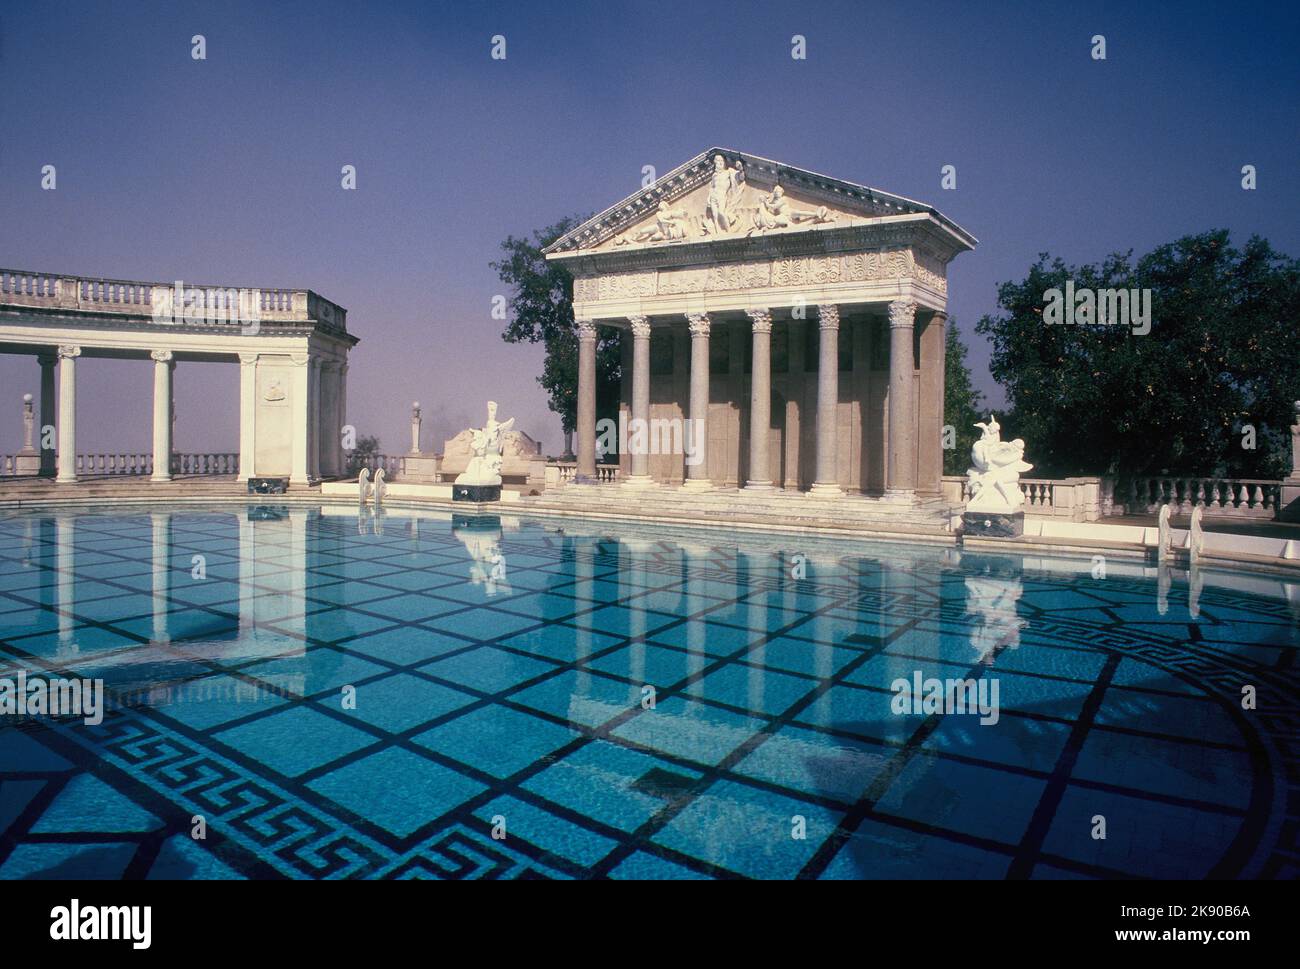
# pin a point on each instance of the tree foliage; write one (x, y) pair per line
(1221, 356)
(541, 311)
(961, 402)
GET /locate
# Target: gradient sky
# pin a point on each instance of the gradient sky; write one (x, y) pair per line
(227, 170)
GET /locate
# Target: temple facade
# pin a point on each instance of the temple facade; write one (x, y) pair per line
(797, 321)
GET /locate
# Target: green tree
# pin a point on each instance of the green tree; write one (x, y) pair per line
(961, 402)
(1220, 358)
(541, 311)
(363, 455)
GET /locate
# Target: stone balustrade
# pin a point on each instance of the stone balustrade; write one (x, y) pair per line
(1082, 499)
(201, 303)
(563, 472)
(138, 463)
(1220, 497)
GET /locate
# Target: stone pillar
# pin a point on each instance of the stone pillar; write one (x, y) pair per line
(760, 400)
(163, 367)
(930, 406)
(640, 476)
(1289, 506)
(415, 427)
(697, 474)
(341, 419)
(68, 414)
(585, 472)
(299, 394)
(901, 485)
(46, 415)
(827, 484)
(247, 415)
(313, 418)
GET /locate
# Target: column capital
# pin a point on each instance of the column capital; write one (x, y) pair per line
(761, 318)
(586, 329)
(248, 359)
(46, 359)
(698, 323)
(902, 313)
(300, 359)
(162, 356)
(69, 352)
(828, 316)
(940, 317)
(640, 327)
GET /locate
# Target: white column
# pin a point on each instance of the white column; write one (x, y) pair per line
(313, 419)
(68, 414)
(827, 483)
(300, 380)
(247, 415)
(341, 418)
(163, 366)
(697, 474)
(640, 476)
(585, 472)
(47, 415)
(901, 485)
(760, 400)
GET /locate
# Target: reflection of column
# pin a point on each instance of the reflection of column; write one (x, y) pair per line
(162, 524)
(47, 417)
(163, 368)
(65, 556)
(696, 561)
(697, 474)
(68, 413)
(826, 484)
(586, 469)
(760, 401)
(901, 485)
(640, 476)
(247, 415)
(299, 380)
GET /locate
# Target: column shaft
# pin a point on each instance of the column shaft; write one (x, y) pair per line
(902, 422)
(163, 366)
(697, 465)
(760, 401)
(639, 435)
(826, 484)
(247, 415)
(586, 470)
(299, 474)
(67, 458)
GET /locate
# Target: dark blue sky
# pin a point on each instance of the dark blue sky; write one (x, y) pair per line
(227, 170)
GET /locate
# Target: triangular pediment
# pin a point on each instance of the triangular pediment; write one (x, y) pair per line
(726, 194)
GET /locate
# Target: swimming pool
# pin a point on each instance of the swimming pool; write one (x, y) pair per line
(323, 694)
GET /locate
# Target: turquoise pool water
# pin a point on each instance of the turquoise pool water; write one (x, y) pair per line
(324, 695)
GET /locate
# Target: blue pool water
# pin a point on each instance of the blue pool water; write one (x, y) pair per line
(336, 695)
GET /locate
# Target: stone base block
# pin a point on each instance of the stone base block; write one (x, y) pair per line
(1288, 509)
(988, 524)
(27, 464)
(466, 492)
(422, 468)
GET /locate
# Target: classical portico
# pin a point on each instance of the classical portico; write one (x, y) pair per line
(291, 347)
(800, 317)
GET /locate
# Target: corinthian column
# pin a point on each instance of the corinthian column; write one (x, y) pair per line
(163, 367)
(640, 476)
(901, 485)
(760, 400)
(585, 473)
(67, 457)
(826, 484)
(697, 474)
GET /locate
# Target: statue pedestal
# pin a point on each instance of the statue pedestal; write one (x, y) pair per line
(421, 467)
(992, 524)
(1289, 506)
(27, 463)
(469, 492)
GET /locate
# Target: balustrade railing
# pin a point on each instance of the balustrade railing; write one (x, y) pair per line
(138, 463)
(1222, 497)
(568, 470)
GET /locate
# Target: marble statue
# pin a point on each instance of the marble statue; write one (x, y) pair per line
(1196, 533)
(381, 487)
(995, 478)
(773, 212)
(485, 465)
(29, 422)
(726, 187)
(363, 486)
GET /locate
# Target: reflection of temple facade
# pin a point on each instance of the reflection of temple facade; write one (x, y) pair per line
(802, 317)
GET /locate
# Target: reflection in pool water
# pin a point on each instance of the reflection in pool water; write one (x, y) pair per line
(374, 693)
